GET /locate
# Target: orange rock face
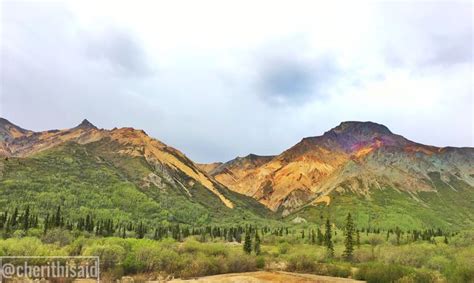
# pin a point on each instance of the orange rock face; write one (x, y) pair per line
(355, 156)
(21, 143)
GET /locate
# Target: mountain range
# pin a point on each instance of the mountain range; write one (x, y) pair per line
(359, 167)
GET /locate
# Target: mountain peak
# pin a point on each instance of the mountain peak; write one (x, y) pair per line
(350, 136)
(356, 127)
(85, 124)
(4, 122)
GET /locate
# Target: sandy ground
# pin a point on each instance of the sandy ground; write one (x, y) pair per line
(266, 276)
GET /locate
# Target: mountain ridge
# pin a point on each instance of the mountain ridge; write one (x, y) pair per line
(367, 153)
(133, 142)
(355, 164)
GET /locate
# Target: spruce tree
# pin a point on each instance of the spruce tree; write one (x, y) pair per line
(247, 243)
(358, 239)
(26, 219)
(320, 237)
(14, 217)
(46, 224)
(57, 219)
(349, 240)
(256, 247)
(328, 239)
(398, 232)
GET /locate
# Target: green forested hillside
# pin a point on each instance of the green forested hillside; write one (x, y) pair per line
(387, 208)
(92, 179)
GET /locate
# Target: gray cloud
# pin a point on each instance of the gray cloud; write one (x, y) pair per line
(54, 73)
(120, 50)
(227, 95)
(452, 49)
(293, 80)
(431, 34)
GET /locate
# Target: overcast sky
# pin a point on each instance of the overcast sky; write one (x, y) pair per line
(219, 79)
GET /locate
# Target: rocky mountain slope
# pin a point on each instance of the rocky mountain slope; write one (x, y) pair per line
(131, 154)
(383, 179)
(354, 157)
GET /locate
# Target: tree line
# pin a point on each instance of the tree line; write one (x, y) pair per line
(251, 234)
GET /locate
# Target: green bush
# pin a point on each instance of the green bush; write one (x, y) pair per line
(28, 247)
(260, 262)
(438, 263)
(283, 248)
(339, 270)
(211, 249)
(201, 265)
(301, 263)
(381, 273)
(459, 273)
(110, 255)
(239, 262)
(57, 236)
(419, 276)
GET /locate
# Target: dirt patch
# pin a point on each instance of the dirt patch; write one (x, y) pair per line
(266, 276)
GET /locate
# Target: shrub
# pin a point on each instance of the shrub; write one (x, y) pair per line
(362, 255)
(301, 263)
(110, 255)
(57, 236)
(283, 248)
(241, 263)
(27, 247)
(202, 265)
(149, 257)
(380, 273)
(335, 270)
(438, 263)
(211, 249)
(424, 276)
(419, 276)
(459, 273)
(414, 255)
(463, 239)
(260, 262)
(170, 262)
(339, 270)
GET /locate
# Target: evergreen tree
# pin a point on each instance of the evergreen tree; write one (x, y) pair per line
(328, 239)
(358, 239)
(247, 243)
(320, 237)
(349, 240)
(46, 224)
(26, 219)
(14, 218)
(398, 232)
(57, 219)
(256, 247)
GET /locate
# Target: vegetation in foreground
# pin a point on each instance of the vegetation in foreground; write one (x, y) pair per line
(373, 255)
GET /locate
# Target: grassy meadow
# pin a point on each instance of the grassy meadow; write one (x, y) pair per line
(377, 256)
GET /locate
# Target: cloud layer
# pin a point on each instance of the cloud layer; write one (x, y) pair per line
(218, 80)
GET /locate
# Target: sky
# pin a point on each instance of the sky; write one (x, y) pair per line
(220, 79)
